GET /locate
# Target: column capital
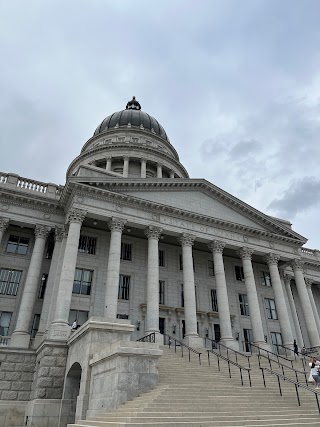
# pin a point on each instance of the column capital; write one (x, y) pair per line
(297, 264)
(272, 259)
(59, 234)
(287, 278)
(216, 246)
(245, 253)
(41, 231)
(143, 159)
(126, 158)
(76, 215)
(308, 282)
(186, 239)
(108, 157)
(117, 224)
(4, 222)
(153, 232)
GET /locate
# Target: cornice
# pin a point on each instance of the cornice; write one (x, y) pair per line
(153, 207)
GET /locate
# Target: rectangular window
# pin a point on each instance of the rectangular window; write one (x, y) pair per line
(161, 258)
(244, 306)
(271, 309)
(80, 316)
(265, 278)
(35, 325)
(180, 262)
(5, 319)
(276, 340)
(82, 281)
(43, 286)
(210, 267)
(124, 287)
(126, 251)
(239, 273)
(87, 245)
(161, 291)
(9, 281)
(182, 295)
(17, 245)
(214, 301)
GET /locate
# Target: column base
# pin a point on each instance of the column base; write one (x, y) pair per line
(263, 346)
(20, 339)
(230, 343)
(59, 331)
(193, 341)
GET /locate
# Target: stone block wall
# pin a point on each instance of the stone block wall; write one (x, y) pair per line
(16, 373)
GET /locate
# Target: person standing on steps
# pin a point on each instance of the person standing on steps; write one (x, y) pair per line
(315, 366)
(295, 347)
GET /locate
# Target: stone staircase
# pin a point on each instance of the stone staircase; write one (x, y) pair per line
(197, 396)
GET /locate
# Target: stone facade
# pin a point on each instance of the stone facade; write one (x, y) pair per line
(131, 245)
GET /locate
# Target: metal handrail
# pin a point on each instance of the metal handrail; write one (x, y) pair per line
(308, 351)
(301, 355)
(282, 366)
(226, 359)
(148, 338)
(219, 344)
(266, 351)
(296, 384)
(182, 345)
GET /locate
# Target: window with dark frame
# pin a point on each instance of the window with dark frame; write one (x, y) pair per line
(161, 258)
(271, 309)
(244, 306)
(87, 245)
(161, 292)
(214, 301)
(79, 316)
(17, 245)
(82, 281)
(265, 278)
(5, 319)
(9, 281)
(124, 287)
(35, 325)
(239, 273)
(182, 295)
(210, 267)
(126, 251)
(43, 286)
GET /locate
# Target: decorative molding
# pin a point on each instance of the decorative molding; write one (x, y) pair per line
(153, 232)
(245, 253)
(287, 278)
(186, 239)
(41, 231)
(76, 215)
(217, 246)
(59, 234)
(272, 259)
(297, 264)
(308, 281)
(4, 223)
(117, 224)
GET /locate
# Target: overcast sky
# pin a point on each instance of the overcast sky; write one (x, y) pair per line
(234, 83)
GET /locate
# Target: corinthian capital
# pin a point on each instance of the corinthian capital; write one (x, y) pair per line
(217, 246)
(297, 264)
(58, 234)
(117, 224)
(245, 253)
(76, 215)
(4, 222)
(287, 278)
(41, 231)
(153, 232)
(272, 259)
(186, 239)
(308, 281)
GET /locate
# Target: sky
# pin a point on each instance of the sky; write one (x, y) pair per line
(234, 83)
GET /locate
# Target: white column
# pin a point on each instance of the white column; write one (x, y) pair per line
(253, 301)
(108, 163)
(216, 248)
(21, 335)
(152, 320)
(125, 166)
(297, 266)
(190, 311)
(298, 336)
(171, 174)
(4, 222)
(159, 171)
(313, 304)
(47, 301)
(143, 168)
(284, 320)
(60, 329)
(111, 303)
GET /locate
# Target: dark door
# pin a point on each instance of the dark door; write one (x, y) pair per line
(217, 334)
(162, 325)
(183, 328)
(248, 338)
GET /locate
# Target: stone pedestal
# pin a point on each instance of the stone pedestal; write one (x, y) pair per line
(194, 342)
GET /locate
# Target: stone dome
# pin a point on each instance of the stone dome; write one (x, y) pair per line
(132, 117)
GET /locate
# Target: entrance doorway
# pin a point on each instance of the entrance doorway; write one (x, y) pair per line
(183, 322)
(217, 333)
(248, 338)
(276, 340)
(71, 390)
(162, 324)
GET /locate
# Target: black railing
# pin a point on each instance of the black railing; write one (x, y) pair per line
(310, 351)
(148, 338)
(289, 380)
(283, 367)
(218, 345)
(230, 362)
(174, 342)
(264, 351)
(297, 356)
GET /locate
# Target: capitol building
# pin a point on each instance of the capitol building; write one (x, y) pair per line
(132, 246)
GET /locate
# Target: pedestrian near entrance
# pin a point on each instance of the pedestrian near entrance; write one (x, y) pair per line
(295, 347)
(315, 366)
